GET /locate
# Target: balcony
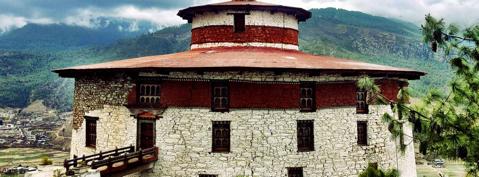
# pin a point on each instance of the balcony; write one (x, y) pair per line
(118, 162)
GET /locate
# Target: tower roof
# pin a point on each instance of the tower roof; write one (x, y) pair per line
(244, 5)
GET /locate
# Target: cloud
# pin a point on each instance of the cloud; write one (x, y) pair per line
(8, 22)
(88, 17)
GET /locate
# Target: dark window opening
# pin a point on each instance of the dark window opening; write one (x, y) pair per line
(149, 94)
(146, 134)
(203, 175)
(221, 136)
(295, 172)
(307, 100)
(90, 134)
(220, 96)
(362, 133)
(239, 23)
(305, 135)
(362, 106)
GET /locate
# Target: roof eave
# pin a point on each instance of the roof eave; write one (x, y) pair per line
(410, 75)
(188, 13)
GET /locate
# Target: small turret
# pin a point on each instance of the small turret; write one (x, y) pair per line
(244, 23)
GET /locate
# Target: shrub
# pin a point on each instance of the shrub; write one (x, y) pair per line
(373, 171)
(46, 161)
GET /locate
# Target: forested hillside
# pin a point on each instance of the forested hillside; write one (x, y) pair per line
(26, 73)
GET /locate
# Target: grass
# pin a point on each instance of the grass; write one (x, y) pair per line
(30, 156)
(452, 169)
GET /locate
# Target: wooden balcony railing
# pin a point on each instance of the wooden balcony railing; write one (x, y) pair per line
(113, 161)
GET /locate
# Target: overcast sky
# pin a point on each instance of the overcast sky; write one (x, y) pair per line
(16, 13)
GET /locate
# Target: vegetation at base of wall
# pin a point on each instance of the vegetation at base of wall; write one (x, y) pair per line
(373, 171)
(26, 71)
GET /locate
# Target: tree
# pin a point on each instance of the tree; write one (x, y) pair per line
(395, 126)
(450, 122)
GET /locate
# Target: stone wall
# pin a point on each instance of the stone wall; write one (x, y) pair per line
(93, 92)
(263, 29)
(256, 18)
(115, 128)
(263, 143)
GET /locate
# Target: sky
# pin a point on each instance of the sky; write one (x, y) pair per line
(17, 13)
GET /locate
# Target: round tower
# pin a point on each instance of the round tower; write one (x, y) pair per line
(244, 23)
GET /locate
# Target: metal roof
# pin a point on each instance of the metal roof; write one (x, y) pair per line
(242, 58)
(245, 5)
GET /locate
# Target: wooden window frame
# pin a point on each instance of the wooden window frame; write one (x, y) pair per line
(217, 148)
(156, 95)
(295, 172)
(362, 133)
(301, 125)
(239, 21)
(362, 106)
(207, 175)
(215, 85)
(91, 137)
(305, 97)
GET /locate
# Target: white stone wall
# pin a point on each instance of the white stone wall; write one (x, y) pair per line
(257, 18)
(247, 44)
(115, 128)
(263, 143)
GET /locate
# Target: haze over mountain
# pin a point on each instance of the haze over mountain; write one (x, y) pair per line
(28, 54)
(55, 37)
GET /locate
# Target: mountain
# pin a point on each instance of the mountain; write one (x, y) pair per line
(57, 37)
(335, 32)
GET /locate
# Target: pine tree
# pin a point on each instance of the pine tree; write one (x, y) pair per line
(449, 121)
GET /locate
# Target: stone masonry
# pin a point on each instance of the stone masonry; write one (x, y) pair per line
(263, 141)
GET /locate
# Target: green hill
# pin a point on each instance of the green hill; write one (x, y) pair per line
(330, 31)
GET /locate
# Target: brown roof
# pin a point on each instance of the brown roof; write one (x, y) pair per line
(243, 58)
(190, 12)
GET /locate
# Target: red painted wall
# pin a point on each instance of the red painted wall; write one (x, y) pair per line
(247, 95)
(253, 95)
(185, 94)
(334, 95)
(265, 34)
(389, 88)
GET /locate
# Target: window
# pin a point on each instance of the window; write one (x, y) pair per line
(221, 136)
(90, 134)
(362, 106)
(305, 135)
(362, 133)
(202, 175)
(307, 101)
(146, 134)
(220, 96)
(149, 94)
(239, 23)
(295, 172)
